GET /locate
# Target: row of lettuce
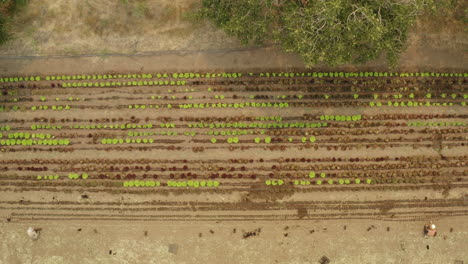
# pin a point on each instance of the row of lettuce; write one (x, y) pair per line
(188, 75)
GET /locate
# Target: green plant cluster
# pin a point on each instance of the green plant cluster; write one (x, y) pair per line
(233, 132)
(192, 184)
(51, 107)
(136, 106)
(130, 83)
(94, 126)
(43, 99)
(258, 125)
(234, 140)
(230, 75)
(207, 75)
(20, 79)
(318, 182)
(75, 176)
(358, 74)
(141, 183)
(329, 181)
(301, 182)
(5, 128)
(30, 142)
(43, 126)
(26, 135)
(162, 133)
(258, 140)
(274, 182)
(167, 125)
(115, 141)
(312, 139)
(312, 174)
(100, 77)
(341, 117)
(123, 76)
(113, 126)
(412, 104)
(421, 123)
(344, 181)
(269, 118)
(47, 177)
(233, 105)
(6, 108)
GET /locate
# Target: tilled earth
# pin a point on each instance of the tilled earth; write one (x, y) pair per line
(233, 149)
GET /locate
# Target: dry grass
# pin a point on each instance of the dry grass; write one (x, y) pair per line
(124, 26)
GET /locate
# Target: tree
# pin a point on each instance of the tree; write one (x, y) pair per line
(7, 9)
(248, 20)
(331, 32)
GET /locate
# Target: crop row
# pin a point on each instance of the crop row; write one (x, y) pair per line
(30, 142)
(234, 75)
(330, 181)
(218, 105)
(26, 135)
(186, 184)
(259, 125)
(120, 84)
(260, 97)
(115, 141)
(412, 104)
(242, 105)
(420, 123)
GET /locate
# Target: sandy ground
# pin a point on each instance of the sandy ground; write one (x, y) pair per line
(120, 242)
(107, 26)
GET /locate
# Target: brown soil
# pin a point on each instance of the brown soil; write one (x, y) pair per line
(158, 35)
(419, 173)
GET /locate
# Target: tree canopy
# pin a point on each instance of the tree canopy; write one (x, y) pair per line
(7, 9)
(332, 32)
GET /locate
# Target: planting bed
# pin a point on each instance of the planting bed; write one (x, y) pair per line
(234, 146)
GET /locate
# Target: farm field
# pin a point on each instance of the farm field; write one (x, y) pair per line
(207, 148)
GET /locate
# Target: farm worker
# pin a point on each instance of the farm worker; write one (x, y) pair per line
(32, 233)
(430, 230)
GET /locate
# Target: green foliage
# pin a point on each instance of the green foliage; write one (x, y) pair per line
(47, 177)
(192, 184)
(248, 20)
(7, 10)
(332, 32)
(73, 176)
(3, 33)
(274, 182)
